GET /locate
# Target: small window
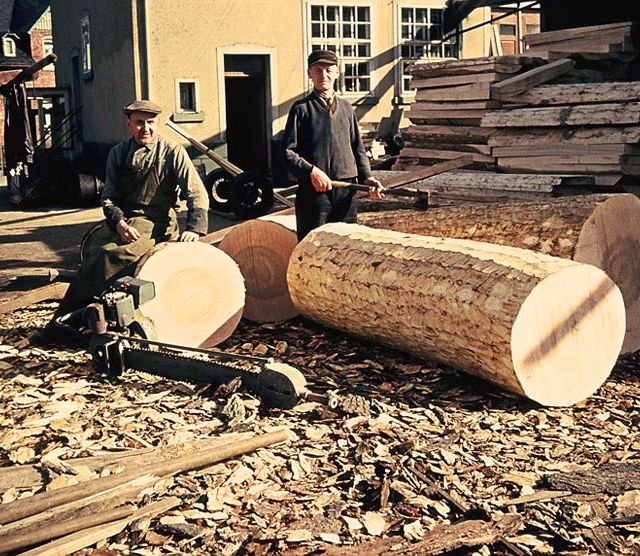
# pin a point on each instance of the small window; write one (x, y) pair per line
(187, 96)
(532, 29)
(8, 46)
(85, 43)
(47, 46)
(507, 30)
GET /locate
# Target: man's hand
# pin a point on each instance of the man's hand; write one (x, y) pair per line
(376, 191)
(189, 236)
(320, 181)
(127, 233)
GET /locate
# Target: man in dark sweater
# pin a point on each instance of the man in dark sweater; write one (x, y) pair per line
(321, 143)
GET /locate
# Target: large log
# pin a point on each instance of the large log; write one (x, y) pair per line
(602, 230)
(544, 327)
(262, 249)
(199, 293)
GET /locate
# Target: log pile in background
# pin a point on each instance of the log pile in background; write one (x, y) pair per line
(551, 328)
(602, 230)
(452, 97)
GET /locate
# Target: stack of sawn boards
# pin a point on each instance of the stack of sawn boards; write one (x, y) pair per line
(452, 97)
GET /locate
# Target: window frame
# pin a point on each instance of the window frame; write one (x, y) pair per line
(85, 46)
(339, 42)
(405, 94)
(12, 50)
(182, 115)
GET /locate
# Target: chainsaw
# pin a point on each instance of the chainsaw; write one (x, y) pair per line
(122, 338)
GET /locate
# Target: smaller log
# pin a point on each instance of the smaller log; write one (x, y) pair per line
(49, 292)
(262, 249)
(199, 293)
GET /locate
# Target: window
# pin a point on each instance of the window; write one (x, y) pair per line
(508, 30)
(47, 46)
(187, 96)
(346, 30)
(532, 29)
(421, 36)
(85, 43)
(8, 46)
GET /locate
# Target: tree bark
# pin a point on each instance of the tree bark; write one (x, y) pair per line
(262, 249)
(540, 326)
(199, 293)
(602, 230)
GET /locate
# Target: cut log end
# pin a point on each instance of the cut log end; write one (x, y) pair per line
(555, 340)
(199, 293)
(262, 250)
(610, 240)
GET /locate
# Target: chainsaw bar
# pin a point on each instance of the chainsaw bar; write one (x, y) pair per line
(277, 384)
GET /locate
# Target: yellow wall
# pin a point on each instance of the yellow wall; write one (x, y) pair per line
(188, 38)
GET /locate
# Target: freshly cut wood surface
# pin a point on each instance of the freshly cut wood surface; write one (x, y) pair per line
(544, 327)
(199, 293)
(262, 249)
(602, 230)
(620, 113)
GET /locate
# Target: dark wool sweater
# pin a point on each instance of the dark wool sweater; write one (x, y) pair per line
(331, 141)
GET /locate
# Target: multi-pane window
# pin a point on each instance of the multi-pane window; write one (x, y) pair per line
(421, 36)
(345, 30)
(8, 46)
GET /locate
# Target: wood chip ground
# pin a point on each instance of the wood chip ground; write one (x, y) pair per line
(418, 459)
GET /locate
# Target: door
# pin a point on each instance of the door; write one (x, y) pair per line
(248, 107)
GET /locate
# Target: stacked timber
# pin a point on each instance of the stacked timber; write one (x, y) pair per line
(613, 38)
(602, 230)
(551, 328)
(577, 128)
(452, 96)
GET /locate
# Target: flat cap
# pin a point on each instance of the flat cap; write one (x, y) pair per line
(322, 57)
(142, 106)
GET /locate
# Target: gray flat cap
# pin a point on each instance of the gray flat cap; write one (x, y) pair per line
(322, 57)
(142, 106)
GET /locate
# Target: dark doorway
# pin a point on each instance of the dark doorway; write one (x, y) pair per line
(247, 109)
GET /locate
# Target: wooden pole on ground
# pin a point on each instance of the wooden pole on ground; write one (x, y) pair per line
(37, 503)
(53, 291)
(262, 249)
(199, 293)
(543, 327)
(602, 230)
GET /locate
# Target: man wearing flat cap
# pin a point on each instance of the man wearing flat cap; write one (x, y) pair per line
(321, 143)
(145, 175)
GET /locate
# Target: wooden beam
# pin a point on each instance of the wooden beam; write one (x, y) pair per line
(437, 154)
(562, 34)
(53, 291)
(601, 135)
(525, 81)
(578, 93)
(473, 91)
(28, 73)
(622, 113)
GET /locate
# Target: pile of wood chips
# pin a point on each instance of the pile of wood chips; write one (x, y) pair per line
(415, 459)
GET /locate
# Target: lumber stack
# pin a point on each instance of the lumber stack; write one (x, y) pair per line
(606, 39)
(551, 328)
(452, 96)
(591, 128)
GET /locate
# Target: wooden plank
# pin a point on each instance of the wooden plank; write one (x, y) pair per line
(458, 104)
(448, 134)
(53, 291)
(448, 81)
(460, 147)
(443, 155)
(550, 36)
(536, 76)
(557, 149)
(547, 164)
(596, 114)
(433, 170)
(579, 93)
(415, 115)
(581, 136)
(479, 91)
(605, 37)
